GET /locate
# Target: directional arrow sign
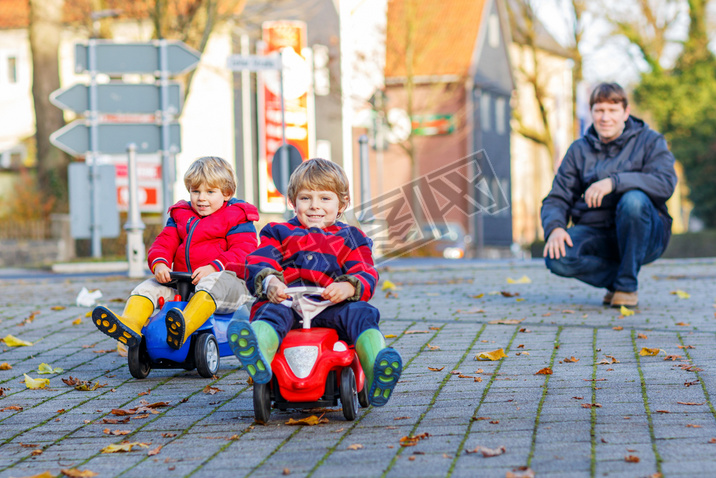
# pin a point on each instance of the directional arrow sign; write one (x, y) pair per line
(253, 62)
(119, 98)
(113, 138)
(120, 58)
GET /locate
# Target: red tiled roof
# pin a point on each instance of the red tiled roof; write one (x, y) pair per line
(14, 13)
(444, 39)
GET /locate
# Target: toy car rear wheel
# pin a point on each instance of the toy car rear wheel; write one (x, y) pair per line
(138, 360)
(363, 397)
(348, 393)
(262, 402)
(206, 355)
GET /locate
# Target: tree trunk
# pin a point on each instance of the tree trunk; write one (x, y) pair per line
(45, 32)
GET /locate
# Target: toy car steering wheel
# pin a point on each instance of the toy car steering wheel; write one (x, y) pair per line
(307, 302)
(183, 284)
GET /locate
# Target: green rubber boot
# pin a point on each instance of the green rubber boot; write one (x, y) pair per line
(382, 366)
(255, 345)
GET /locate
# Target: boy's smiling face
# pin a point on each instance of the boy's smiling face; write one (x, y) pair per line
(206, 200)
(317, 208)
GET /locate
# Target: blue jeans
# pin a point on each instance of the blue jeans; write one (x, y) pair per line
(611, 257)
(349, 319)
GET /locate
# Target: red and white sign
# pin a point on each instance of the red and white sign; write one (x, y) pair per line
(149, 181)
(288, 37)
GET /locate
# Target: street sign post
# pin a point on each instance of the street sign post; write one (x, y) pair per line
(160, 103)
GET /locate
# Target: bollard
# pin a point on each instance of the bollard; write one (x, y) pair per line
(134, 225)
(366, 214)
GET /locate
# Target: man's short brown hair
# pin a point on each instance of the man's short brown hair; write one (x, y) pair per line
(319, 175)
(608, 93)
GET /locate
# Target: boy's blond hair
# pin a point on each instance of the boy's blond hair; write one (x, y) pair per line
(319, 175)
(212, 171)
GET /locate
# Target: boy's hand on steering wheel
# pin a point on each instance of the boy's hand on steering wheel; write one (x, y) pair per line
(275, 290)
(201, 272)
(338, 292)
(161, 273)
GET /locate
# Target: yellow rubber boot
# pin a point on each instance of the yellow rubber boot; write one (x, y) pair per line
(181, 324)
(127, 328)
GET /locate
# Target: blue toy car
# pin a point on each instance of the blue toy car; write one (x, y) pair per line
(202, 350)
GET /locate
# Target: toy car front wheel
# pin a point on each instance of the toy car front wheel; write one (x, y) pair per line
(206, 355)
(348, 393)
(262, 402)
(138, 360)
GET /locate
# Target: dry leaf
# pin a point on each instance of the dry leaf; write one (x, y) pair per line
(121, 349)
(680, 294)
(631, 459)
(673, 357)
(45, 474)
(12, 341)
(691, 425)
(477, 296)
(649, 351)
(154, 451)
(58, 307)
(626, 312)
(567, 311)
(618, 327)
(413, 440)
(387, 285)
(571, 359)
(5, 366)
(36, 452)
(35, 383)
(355, 446)
(410, 332)
(310, 421)
(591, 405)
(44, 368)
(488, 452)
(685, 346)
(123, 447)
(433, 347)
(433, 369)
(77, 321)
(522, 472)
(478, 379)
(509, 294)
(641, 336)
(690, 403)
(506, 321)
(75, 473)
(683, 324)
(492, 355)
(474, 310)
(286, 471)
(545, 371)
(387, 336)
(211, 390)
(16, 408)
(521, 280)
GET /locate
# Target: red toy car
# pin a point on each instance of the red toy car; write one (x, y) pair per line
(312, 367)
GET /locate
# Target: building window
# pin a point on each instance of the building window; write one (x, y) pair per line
(12, 69)
(493, 31)
(485, 112)
(500, 122)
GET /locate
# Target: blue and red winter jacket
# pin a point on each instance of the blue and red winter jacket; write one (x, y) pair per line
(299, 255)
(222, 239)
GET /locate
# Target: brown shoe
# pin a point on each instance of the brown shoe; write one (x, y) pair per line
(627, 299)
(607, 300)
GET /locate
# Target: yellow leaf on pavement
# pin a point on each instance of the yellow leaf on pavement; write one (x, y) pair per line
(121, 349)
(77, 321)
(58, 307)
(310, 421)
(625, 311)
(88, 314)
(12, 341)
(681, 294)
(123, 447)
(5, 366)
(649, 351)
(390, 336)
(35, 383)
(387, 285)
(44, 369)
(521, 280)
(492, 355)
(75, 473)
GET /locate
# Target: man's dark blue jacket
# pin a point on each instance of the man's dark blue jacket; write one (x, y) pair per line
(638, 159)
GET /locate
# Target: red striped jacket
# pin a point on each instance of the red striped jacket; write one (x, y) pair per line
(222, 239)
(312, 256)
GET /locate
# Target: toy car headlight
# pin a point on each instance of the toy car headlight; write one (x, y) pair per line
(453, 253)
(301, 359)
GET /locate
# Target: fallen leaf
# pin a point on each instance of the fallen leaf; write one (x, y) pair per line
(591, 405)
(388, 336)
(45, 474)
(44, 368)
(521, 280)
(286, 471)
(663, 411)
(58, 307)
(401, 418)
(494, 422)
(433, 347)
(492, 355)
(123, 447)
(683, 324)
(618, 327)
(114, 421)
(474, 310)
(673, 357)
(571, 359)
(688, 384)
(713, 440)
(5, 366)
(37, 452)
(391, 294)
(691, 425)
(509, 294)
(169, 435)
(410, 332)
(522, 353)
(465, 376)
(567, 311)
(641, 336)
(631, 459)
(121, 349)
(488, 452)
(75, 473)
(477, 296)
(578, 398)
(387, 285)
(690, 403)
(310, 421)
(681, 294)
(610, 359)
(211, 390)
(524, 330)
(544, 371)
(435, 328)
(355, 446)
(12, 341)
(645, 351)
(478, 379)
(77, 321)
(35, 383)
(685, 346)
(433, 369)
(625, 311)
(15, 408)
(521, 472)
(154, 451)
(413, 440)
(506, 321)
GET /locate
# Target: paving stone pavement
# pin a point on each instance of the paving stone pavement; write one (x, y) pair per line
(606, 410)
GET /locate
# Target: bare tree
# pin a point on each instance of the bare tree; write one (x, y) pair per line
(45, 31)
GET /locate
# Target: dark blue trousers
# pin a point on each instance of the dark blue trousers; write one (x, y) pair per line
(611, 257)
(350, 319)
